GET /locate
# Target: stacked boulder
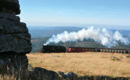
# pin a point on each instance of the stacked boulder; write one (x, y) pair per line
(14, 36)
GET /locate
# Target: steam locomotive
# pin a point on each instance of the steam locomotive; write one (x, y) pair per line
(53, 49)
(62, 49)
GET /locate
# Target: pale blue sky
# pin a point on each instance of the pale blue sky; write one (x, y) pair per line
(75, 12)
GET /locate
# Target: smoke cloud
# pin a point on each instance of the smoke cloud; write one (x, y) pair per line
(103, 36)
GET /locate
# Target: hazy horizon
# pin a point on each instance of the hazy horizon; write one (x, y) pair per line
(114, 27)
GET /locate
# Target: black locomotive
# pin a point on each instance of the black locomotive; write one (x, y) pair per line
(53, 49)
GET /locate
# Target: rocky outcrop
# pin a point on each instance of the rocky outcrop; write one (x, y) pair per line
(38, 73)
(43, 74)
(14, 36)
(10, 6)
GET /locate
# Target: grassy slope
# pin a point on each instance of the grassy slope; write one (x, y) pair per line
(85, 63)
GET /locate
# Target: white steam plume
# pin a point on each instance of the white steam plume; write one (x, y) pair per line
(103, 36)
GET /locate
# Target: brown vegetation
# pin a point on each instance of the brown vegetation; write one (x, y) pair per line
(116, 65)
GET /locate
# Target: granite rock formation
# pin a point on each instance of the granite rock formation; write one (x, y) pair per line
(14, 36)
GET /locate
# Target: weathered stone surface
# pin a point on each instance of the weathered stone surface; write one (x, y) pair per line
(43, 74)
(14, 36)
(68, 76)
(18, 43)
(10, 6)
(12, 27)
(8, 16)
(71, 76)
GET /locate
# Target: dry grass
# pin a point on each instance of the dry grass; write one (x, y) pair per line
(116, 65)
(7, 77)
